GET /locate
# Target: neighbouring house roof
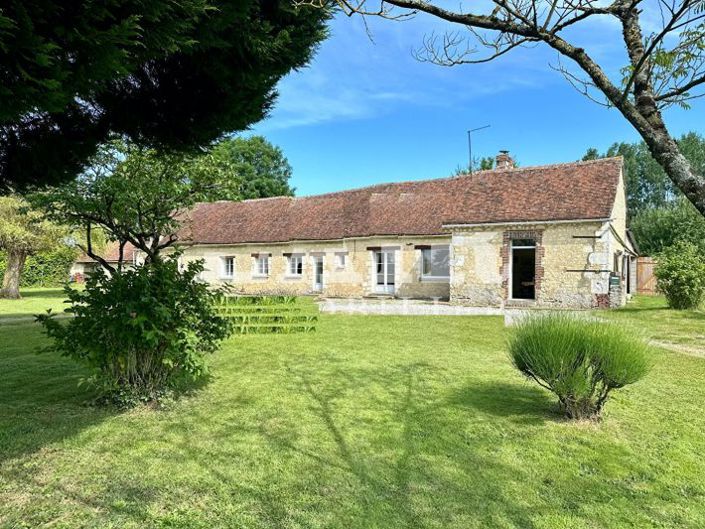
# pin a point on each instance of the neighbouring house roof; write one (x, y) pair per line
(570, 191)
(112, 254)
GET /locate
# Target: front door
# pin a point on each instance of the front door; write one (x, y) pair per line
(318, 272)
(384, 271)
(523, 269)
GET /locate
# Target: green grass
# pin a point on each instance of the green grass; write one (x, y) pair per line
(370, 422)
(34, 301)
(680, 330)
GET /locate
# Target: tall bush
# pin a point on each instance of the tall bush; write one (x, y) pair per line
(680, 272)
(580, 361)
(45, 269)
(141, 331)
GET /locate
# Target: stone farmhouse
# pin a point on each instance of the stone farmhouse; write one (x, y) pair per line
(548, 236)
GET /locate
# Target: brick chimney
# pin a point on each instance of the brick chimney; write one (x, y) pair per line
(504, 161)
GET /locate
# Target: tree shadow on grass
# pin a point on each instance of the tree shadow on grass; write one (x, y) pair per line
(519, 402)
(41, 400)
(391, 488)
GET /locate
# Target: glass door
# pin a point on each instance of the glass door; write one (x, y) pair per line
(384, 271)
(318, 273)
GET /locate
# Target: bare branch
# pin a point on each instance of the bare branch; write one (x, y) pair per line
(682, 90)
(88, 250)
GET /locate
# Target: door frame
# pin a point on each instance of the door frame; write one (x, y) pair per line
(510, 285)
(318, 286)
(384, 288)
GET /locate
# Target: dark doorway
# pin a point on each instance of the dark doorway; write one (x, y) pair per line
(523, 273)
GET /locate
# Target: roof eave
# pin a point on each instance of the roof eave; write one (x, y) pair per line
(452, 225)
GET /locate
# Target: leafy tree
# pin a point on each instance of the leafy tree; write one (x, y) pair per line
(139, 196)
(165, 74)
(658, 228)
(648, 186)
(591, 154)
(24, 231)
(255, 168)
(665, 59)
(136, 196)
(485, 163)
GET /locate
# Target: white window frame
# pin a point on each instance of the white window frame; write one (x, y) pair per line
(291, 268)
(258, 272)
(429, 277)
(224, 267)
(341, 260)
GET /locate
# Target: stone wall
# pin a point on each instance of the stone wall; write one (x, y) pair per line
(572, 261)
(355, 279)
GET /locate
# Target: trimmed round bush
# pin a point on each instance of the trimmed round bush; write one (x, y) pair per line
(680, 272)
(581, 361)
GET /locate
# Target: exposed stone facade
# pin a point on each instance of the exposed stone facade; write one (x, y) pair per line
(579, 245)
(354, 279)
(570, 264)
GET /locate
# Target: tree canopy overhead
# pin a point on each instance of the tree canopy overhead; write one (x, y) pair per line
(171, 75)
(665, 57)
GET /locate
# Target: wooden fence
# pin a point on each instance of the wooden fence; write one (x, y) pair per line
(645, 278)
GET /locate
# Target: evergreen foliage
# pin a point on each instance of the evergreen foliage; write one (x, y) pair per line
(171, 75)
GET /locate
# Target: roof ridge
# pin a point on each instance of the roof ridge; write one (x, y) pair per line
(278, 197)
(440, 179)
(546, 166)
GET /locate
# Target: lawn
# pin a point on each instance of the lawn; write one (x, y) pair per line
(370, 422)
(34, 301)
(678, 330)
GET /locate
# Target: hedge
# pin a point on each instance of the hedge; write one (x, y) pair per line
(48, 269)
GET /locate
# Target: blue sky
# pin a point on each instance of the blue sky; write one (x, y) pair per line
(366, 111)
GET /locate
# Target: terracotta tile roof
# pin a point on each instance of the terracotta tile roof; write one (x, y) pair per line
(571, 191)
(112, 254)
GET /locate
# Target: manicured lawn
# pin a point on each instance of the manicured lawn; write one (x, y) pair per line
(371, 422)
(680, 330)
(34, 301)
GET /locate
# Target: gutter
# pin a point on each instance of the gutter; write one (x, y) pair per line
(526, 223)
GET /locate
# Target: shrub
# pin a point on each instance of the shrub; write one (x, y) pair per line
(581, 361)
(141, 331)
(45, 269)
(680, 272)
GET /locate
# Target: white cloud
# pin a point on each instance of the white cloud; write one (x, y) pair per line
(357, 77)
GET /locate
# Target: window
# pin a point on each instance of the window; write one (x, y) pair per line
(228, 267)
(523, 243)
(435, 262)
(340, 259)
(262, 265)
(296, 265)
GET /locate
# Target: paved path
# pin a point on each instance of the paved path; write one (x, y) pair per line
(403, 307)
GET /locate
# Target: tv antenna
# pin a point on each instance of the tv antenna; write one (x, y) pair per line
(470, 144)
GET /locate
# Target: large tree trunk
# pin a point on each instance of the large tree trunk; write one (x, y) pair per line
(665, 151)
(649, 122)
(13, 273)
